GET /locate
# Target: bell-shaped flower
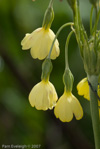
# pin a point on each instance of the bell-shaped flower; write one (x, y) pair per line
(40, 41)
(83, 88)
(43, 96)
(67, 106)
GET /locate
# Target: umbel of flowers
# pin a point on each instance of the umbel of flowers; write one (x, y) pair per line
(43, 96)
(44, 45)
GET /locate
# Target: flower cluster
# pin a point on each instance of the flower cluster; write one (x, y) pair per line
(44, 44)
(43, 96)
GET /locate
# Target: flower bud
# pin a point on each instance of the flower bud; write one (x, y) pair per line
(48, 17)
(46, 69)
(68, 80)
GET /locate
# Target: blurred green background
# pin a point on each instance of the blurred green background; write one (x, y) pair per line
(19, 122)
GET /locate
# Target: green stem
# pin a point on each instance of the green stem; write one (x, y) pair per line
(63, 26)
(96, 22)
(91, 14)
(78, 23)
(98, 42)
(51, 3)
(66, 50)
(81, 34)
(94, 110)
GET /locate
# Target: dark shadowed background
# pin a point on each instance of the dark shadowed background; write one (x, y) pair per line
(20, 124)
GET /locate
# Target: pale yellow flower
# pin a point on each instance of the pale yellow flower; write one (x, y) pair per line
(83, 88)
(43, 96)
(40, 41)
(66, 106)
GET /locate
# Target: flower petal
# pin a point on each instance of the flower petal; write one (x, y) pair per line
(52, 95)
(30, 39)
(83, 88)
(39, 49)
(76, 107)
(63, 109)
(55, 51)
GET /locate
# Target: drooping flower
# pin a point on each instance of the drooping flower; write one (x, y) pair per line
(43, 96)
(67, 106)
(40, 41)
(83, 88)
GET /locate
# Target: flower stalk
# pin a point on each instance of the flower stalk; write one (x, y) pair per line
(66, 50)
(91, 14)
(60, 29)
(94, 110)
